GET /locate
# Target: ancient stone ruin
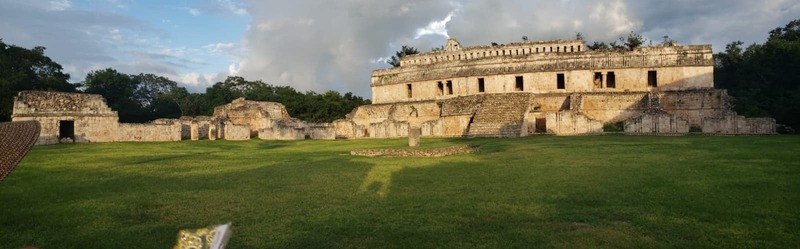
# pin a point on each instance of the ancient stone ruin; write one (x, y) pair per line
(80, 117)
(549, 87)
(514, 90)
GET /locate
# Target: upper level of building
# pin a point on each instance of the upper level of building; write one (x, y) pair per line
(542, 67)
(457, 61)
(453, 51)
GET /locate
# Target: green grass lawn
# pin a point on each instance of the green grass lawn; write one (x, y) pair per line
(534, 192)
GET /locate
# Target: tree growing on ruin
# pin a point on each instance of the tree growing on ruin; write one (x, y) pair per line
(404, 51)
(634, 40)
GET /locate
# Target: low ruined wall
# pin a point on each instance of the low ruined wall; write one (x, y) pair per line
(437, 152)
(282, 133)
(657, 123)
(735, 124)
(433, 128)
(236, 132)
(572, 123)
(320, 131)
(388, 128)
(348, 129)
(146, 132)
(694, 105)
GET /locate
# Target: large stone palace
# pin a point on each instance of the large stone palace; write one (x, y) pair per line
(556, 87)
(513, 90)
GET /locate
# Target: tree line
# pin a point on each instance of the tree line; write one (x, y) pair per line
(145, 97)
(764, 78)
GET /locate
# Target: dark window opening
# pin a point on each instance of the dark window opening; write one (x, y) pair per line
(652, 79)
(598, 80)
(66, 129)
(611, 80)
(480, 85)
(560, 84)
(409, 91)
(441, 88)
(450, 87)
(520, 83)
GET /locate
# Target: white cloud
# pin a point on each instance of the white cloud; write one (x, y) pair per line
(223, 48)
(233, 7)
(194, 12)
(232, 70)
(60, 5)
(435, 27)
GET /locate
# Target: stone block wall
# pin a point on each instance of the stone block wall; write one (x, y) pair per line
(146, 132)
(657, 123)
(282, 133)
(433, 128)
(320, 131)
(236, 132)
(388, 129)
(735, 124)
(572, 123)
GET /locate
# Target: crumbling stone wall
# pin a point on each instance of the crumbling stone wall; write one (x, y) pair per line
(255, 114)
(735, 124)
(282, 132)
(84, 118)
(320, 131)
(236, 132)
(572, 123)
(656, 122)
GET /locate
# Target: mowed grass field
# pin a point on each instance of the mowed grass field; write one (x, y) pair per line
(533, 192)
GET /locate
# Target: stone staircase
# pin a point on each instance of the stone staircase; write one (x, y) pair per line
(500, 115)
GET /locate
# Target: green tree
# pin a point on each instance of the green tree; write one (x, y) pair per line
(404, 51)
(599, 46)
(764, 78)
(27, 69)
(118, 89)
(634, 40)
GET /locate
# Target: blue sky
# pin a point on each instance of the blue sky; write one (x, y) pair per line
(325, 45)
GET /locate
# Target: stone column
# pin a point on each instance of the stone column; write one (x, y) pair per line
(195, 131)
(212, 132)
(413, 135)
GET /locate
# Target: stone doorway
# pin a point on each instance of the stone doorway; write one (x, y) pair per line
(66, 129)
(541, 125)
